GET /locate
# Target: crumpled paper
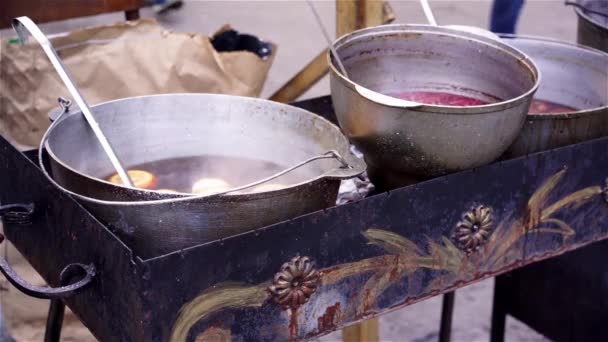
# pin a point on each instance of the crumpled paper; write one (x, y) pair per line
(356, 188)
(117, 61)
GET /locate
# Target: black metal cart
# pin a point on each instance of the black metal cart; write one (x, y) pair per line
(317, 273)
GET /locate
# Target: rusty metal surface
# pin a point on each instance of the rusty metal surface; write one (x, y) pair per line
(373, 256)
(385, 252)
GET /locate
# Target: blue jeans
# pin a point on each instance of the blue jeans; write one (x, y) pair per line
(504, 15)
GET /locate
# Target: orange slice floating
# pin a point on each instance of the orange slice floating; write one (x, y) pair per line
(141, 179)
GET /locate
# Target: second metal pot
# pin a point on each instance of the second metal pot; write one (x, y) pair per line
(401, 143)
(572, 75)
(593, 28)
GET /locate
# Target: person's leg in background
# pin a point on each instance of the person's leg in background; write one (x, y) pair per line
(504, 15)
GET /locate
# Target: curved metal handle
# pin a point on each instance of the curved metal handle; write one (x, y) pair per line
(19, 214)
(332, 154)
(45, 292)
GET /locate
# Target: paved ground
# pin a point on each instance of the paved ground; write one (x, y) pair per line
(291, 25)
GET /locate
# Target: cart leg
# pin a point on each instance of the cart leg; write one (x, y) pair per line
(366, 331)
(447, 311)
(132, 14)
(499, 310)
(54, 321)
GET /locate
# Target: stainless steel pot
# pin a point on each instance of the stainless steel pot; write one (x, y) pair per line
(151, 128)
(401, 142)
(574, 76)
(592, 28)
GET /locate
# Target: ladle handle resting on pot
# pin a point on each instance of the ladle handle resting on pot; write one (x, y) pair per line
(367, 93)
(430, 17)
(428, 13)
(332, 50)
(23, 26)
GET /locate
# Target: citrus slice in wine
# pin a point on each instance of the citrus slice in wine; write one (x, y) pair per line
(140, 178)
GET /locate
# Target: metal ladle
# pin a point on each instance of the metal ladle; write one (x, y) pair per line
(428, 13)
(23, 26)
(365, 92)
(376, 96)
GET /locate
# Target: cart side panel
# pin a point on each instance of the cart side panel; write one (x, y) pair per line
(559, 222)
(381, 253)
(61, 233)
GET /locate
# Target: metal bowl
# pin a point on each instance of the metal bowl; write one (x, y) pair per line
(149, 128)
(401, 142)
(592, 28)
(573, 75)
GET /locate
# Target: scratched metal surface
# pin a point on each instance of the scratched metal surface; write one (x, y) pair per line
(375, 255)
(543, 205)
(62, 232)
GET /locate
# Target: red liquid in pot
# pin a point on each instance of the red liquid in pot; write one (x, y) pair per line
(439, 98)
(448, 99)
(546, 107)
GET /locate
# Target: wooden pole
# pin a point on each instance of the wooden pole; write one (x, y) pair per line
(317, 68)
(303, 80)
(352, 15)
(366, 331)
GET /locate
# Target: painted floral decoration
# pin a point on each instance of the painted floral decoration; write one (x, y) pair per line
(473, 230)
(295, 282)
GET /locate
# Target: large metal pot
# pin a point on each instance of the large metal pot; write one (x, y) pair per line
(572, 75)
(401, 142)
(593, 27)
(149, 128)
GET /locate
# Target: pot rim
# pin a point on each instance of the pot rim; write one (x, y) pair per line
(581, 14)
(459, 34)
(567, 115)
(358, 166)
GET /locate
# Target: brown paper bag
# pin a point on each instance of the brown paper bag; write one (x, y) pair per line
(116, 61)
